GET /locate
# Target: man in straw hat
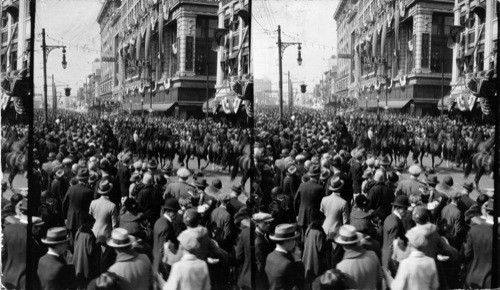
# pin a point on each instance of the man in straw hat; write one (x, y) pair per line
(53, 271)
(190, 272)
(308, 198)
(134, 269)
(263, 247)
(77, 201)
(281, 268)
(334, 207)
(104, 212)
(181, 187)
(361, 267)
(412, 184)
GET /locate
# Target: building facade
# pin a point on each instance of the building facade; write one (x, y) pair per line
(394, 54)
(234, 85)
(475, 49)
(15, 35)
(156, 54)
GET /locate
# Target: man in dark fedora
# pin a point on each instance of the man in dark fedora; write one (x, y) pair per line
(107, 173)
(133, 268)
(237, 200)
(346, 192)
(77, 201)
(356, 172)
(393, 229)
(123, 175)
(281, 268)
(308, 198)
(291, 182)
(166, 229)
(334, 208)
(221, 218)
(53, 271)
(361, 267)
(468, 196)
(59, 185)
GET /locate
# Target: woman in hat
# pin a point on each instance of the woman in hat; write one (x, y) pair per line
(316, 249)
(87, 252)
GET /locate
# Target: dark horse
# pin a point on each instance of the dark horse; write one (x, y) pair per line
(243, 163)
(482, 162)
(403, 149)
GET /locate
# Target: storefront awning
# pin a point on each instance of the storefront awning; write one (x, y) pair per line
(397, 104)
(159, 107)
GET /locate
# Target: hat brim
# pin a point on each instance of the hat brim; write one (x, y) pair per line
(104, 192)
(336, 188)
(274, 238)
(112, 244)
(337, 239)
(400, 205)
(45, 241)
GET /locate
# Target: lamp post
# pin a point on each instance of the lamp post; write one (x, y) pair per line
(281, 49)
(46, 49)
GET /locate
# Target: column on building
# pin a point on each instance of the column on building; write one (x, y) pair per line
(422, 23)
(186, 26)
(220, 72)
(456, 47)
(490, 15)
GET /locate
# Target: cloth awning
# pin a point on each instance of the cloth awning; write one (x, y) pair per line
(159, 107)
(213, 105)
(397, 104)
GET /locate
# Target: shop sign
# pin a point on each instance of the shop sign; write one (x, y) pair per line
(371, 60)
(138, 62)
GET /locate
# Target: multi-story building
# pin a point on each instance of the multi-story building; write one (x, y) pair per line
(475, 48)
(15, 35)
(394, 54)
(158, 53)
(234, 86)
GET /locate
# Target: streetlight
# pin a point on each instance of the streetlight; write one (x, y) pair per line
(46, 49)
(281, 49)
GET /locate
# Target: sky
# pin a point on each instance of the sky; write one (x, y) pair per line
(72, 23)
(307, 21)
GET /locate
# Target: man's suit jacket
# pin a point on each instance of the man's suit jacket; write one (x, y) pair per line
(54, 273)
(291, 184)
(346, 192)
(58, 188)
(76, 204)
(178, 190)
(453, 217)
(163, 231)
(105, 214)
(393, 228)
(220, 217)
(123, 177)
(14, 252)
(356, 174)
(478, 252)
(307, 201)
(283, 272)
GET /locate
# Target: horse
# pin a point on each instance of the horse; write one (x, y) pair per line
(435, 149)
(449, 151)
(227, 155)
(201, 152)
(169, 151)
(16, 162)
(403, 149)
(462, 153)
(386, 146)
(185, 151)
(482, 163)
(214, 153)
(418, 149)
(243, 163)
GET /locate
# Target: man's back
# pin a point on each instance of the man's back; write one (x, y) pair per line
(336, 213)
(361, 267)
(134, 270)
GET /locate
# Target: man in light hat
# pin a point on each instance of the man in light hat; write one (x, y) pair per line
(190, 272)
(104, 212)
(308, 198)
(418, 270)
(282, 270)
(412, 184)
(134, 269)
(361, 267)
(214, 189)
(181, 187)
(53, 271)
(334, 207)
(291, 182)
(263, 247)
(59, 185)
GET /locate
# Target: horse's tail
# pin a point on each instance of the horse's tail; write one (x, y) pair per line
(236, 167)
(468, 167)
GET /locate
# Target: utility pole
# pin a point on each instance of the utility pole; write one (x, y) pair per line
(281, 75)
(44, 52)
(206, 91)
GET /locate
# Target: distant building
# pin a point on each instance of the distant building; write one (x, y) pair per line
(475, 50)
(234, 71)
(155, 54)
(262, 90)
(393, 53)
(15, 35)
